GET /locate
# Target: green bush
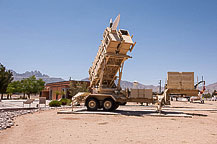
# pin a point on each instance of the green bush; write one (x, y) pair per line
(65, 101)
(55, 103)
(207, 95)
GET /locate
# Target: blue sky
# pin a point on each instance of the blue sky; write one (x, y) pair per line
(61, 37)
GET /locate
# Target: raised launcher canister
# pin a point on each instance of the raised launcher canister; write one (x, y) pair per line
(108, 62)
(110, 59)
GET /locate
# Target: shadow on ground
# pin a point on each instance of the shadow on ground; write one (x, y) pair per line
(146, 112)
(143, 113)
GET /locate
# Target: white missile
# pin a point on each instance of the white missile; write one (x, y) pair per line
(110, 23)
(116, 22)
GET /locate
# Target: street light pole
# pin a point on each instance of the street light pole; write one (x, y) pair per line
(160, 87)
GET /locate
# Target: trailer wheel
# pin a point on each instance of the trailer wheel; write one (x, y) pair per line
(92, 104)
(188, 99)
(171, 98)
(116, 105)
(108, 104)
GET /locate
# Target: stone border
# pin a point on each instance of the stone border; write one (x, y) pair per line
(7, 117)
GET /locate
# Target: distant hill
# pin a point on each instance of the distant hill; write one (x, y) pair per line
(124, 84)
(211, 87)
(127, 84)
(38, 75)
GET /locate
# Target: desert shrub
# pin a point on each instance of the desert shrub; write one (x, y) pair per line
(65, 101)
(55, 103)
(208, 95)
(74, 88)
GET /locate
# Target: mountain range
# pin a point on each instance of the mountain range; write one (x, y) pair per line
(124, 83)
(127, 84)
(37, 74)
(211, 87)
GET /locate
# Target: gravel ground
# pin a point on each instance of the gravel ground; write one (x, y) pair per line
(7, 117)
(50, 127)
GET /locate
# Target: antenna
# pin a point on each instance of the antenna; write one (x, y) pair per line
(165, 85)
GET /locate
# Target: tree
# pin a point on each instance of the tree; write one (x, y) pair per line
(23, 87)
(14, 87)
(208, 95)
(32, 86)
(6, 77)
(40, 85)
(57, 93)
(63, 94)
(77, 87)
(26, 86)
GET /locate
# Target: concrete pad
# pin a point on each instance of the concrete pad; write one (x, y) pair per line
(171, 115)
(194, 109)
(17, 108)
(18, 103)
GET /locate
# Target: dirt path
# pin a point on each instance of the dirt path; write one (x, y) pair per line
(48, 127)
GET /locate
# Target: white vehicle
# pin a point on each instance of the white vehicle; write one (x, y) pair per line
(197, 98)
(214, 98)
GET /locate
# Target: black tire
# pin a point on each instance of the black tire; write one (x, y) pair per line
(108, 104)
(123, 103)
(92, 104)
(116, 106)
(188, 99)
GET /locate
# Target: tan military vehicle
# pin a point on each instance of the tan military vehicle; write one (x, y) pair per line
(181, 84)
(108, 67)
(108, 63)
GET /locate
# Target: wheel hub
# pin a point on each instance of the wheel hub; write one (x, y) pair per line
(107, 104)
(92, 104)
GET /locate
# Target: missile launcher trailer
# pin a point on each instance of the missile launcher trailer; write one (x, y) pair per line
(109, 61)
(180, 80)
(180, 84)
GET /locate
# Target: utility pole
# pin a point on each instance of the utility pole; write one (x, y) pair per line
(160, 87)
